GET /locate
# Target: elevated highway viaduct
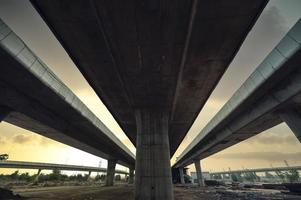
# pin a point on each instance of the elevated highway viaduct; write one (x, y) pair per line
(33, 98)
(270, 96)
(258, 170)
(153, 63)
(12, 164)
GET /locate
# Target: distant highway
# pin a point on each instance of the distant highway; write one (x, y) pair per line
(51, 166)
(271, 169)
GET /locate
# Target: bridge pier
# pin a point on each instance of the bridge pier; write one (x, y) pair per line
(197, 164)
(131, 176)
(4, 111)
(153, 180)
(89, 175)
(293, 119)
(38, 175)
(181, 170)
(110, 172)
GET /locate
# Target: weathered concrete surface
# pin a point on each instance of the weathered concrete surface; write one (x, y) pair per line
(52, 166)
(38, 101)
(292, 118)
(273, 88)
(153, 172)
(110, 172)
(155, 54)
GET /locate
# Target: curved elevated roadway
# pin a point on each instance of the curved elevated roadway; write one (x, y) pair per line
(270, 96)
(33, 98)
(257, 170)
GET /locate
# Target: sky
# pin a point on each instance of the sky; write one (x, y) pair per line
(268, 148)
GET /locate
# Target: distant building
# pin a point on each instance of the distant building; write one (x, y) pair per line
(206, 176)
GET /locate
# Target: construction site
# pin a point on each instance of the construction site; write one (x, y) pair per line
(150, 99)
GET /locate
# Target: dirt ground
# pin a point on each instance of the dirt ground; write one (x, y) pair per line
(126, 192)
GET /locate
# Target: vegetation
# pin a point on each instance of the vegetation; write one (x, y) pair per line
(250, 176)
(236, 177)
(292, 176)
(54, 176)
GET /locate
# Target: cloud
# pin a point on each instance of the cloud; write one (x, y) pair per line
(44, 141)
(266, 156)
(22, 139)
(2, 141)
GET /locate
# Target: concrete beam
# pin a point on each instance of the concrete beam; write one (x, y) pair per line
(153, 180)
(182, 175)
(197, 164)
(293, 119)
(110, 172)
(4, 111)
(131, 176)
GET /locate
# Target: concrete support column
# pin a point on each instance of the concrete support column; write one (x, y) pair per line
(197, 164)
(293, 119)
(37, 176)
(131, 176)
(110, 172)
(89, 175)
(153, 180)
(4, 111)
(182, 175)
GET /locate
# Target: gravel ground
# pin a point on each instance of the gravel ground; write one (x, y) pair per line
(126, 192)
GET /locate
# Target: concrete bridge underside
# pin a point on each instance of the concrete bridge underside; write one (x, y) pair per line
(154, 63)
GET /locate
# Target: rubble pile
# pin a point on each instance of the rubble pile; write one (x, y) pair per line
(6, 194)
(232, 192)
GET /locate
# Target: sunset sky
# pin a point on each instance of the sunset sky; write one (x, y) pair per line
(268, 148)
